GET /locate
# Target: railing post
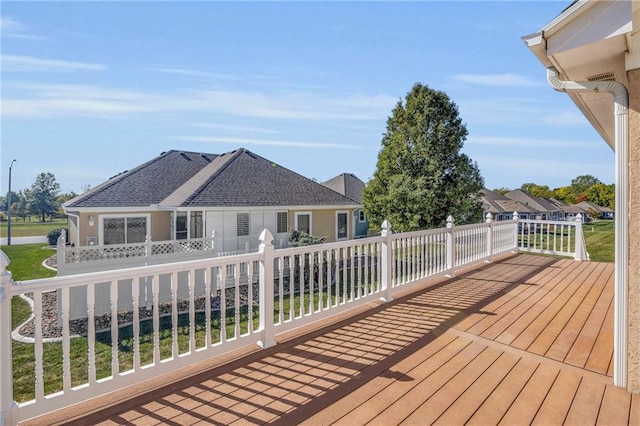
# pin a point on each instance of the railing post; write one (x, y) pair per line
(266, 284)
(451, 247)
(8, 407)
(387, 267)
(61, 246)
(489, 237)
(580, 245)
(516, 220)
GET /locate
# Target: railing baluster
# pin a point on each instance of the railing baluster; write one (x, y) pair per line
(135, 293)
(155, 289)
(37, 349)
(280, 270)
(192, 310)
(91, 332)
(250, 297)
(209, 279)
(115, 362)
(236, 301)
(223, 304)
(66, 341)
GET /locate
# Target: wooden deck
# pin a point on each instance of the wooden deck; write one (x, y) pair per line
(527, 339)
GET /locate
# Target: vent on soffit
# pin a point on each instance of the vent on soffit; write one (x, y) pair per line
(606, 76)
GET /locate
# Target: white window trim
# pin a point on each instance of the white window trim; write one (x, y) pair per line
(362, 213)
(345, 212)
(102, 217)
(310, 220)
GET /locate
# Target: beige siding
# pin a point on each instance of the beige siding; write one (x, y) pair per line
(634, 230)
(323, 222)
(160, 226)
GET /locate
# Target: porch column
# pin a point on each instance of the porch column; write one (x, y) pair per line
(633, 224)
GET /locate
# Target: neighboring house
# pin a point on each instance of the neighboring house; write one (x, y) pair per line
(502, 208)
(603, 212)
(592, 52)
(352, 187)
(545, 209)
(187, 195)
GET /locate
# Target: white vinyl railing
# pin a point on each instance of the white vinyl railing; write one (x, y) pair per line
(115, 328)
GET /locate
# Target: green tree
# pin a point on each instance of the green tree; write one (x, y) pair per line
(564, 194)
(43, 196)
(421, 177)
(602, 195)
(581, 184)
(537, 190)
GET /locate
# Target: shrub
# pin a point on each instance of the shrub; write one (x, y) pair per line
(54, 234)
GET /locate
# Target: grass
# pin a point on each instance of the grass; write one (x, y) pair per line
(600, 239)
(26, 261)
(20, 228)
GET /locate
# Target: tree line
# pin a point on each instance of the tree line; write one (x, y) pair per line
(43, 200)
(582, 188)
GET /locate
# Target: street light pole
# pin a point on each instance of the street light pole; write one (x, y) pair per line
(9, 206)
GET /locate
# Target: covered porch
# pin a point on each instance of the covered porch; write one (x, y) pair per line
(524, 339)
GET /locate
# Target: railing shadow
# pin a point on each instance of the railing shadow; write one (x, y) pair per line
(298, 378)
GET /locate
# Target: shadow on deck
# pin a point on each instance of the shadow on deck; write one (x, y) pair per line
(525, 339)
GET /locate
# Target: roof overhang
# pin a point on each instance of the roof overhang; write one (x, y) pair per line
(588, 42)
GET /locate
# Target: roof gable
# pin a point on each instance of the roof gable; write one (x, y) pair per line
(147, 184)
(348, 185)
(242, 178)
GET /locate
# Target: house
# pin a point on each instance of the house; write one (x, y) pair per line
(591, 52)
(545, 209)
(351, 186)
(188, 195)
(602, 212)
(502, 207)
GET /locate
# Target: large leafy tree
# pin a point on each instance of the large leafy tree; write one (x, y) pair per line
(421, 177)
(43, 196)
(581, 184)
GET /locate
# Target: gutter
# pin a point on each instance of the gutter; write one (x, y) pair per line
(621, 136)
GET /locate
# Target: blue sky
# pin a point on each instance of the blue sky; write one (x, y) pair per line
(90, 89)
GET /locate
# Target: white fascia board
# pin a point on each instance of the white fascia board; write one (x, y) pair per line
(271, 208)
(557, 23)
(107, 210)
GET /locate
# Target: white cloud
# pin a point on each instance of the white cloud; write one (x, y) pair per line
(16, 63)
(11, 28)
(564, 118)
(520, 142)
(235, 128)
(497, 80)
(49, 100)
(265, 142)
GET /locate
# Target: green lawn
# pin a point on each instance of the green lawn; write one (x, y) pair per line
(600, 239)
(30, 229)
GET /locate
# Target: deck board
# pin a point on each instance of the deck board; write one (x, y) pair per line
(527, 339)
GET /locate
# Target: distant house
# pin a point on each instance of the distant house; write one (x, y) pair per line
(502, 207)
(187, 195)
(545, 209)
(352, 187)
(589, 207)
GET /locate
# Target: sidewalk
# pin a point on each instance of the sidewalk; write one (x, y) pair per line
(24, 240)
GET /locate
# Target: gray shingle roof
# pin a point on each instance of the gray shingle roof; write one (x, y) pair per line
(147, 184)
(348, 185)
(242, 178)
(189, 179)
(536, 203)
(496, 203)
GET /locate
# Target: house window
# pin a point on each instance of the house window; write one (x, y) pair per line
(124, 230)
(197, 228)
(361, 216)
(283, 222)
(342, 231)
(181, 226)
(243, 224)
(303, 222)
